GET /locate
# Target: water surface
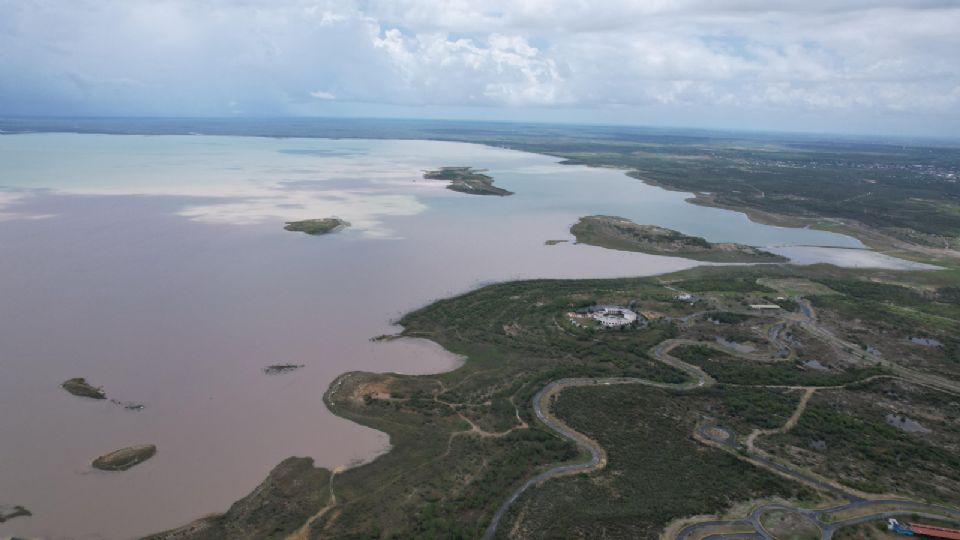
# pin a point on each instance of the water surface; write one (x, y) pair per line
(157, 267)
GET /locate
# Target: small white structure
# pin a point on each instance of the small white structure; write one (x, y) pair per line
(764, 306)
(607, 316)
(684, 297)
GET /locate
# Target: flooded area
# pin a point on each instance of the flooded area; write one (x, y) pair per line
(157, 267)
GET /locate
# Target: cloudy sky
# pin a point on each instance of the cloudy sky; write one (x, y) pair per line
(880, 66)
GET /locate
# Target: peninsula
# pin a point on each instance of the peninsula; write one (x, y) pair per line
(622, 234)
(467, 180)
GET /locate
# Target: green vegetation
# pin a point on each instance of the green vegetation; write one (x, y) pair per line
(727, 317)
(622, 234)
(789, 526)
(462, 441)
(467, 180)
(294, 492)
(125, 458)
(656, 472)
(744, 408)
(734, 370)
(846, 435)
(79, 386)
(316, 227)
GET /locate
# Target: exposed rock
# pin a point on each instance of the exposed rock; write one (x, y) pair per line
(123, 459)
(925, 341)
(79, 386)
(815, 364)
(906, 424)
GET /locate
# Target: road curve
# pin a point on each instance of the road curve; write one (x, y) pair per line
(699, 378)
(598, 456)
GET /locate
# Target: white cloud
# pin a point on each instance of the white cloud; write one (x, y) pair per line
(320, 94)
(860, 57)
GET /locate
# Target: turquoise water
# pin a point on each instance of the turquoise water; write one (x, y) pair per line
(299, 178)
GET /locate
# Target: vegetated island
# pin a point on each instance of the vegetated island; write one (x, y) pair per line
(317, 227)
(467, 180)
(79, 386)
(620, 233)
(9, 512)
(125, 458)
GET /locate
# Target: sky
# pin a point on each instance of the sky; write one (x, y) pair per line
(848, 66)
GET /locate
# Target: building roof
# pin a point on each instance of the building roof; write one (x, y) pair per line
(936, 532)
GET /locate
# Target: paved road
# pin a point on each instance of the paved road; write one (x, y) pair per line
(910, 508)
(700, 378)
(596, 453)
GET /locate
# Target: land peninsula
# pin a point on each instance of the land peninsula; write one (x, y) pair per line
(553, 428)
(467, 180)
(8, 512)
(620, 233)
(317, 227)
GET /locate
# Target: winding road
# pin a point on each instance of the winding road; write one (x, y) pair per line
(726, 441)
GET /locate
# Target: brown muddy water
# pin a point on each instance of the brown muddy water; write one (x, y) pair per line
(158, 268)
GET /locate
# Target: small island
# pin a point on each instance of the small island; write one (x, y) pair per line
(79, 386)
(9, 512)
(317, 227)
(123, 459)
(279, 369)
(467, 180)
(622, 234)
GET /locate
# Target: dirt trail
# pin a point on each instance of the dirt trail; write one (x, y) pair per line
(304, 531)
(787, 426)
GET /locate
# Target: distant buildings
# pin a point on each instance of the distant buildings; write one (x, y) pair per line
(764, 306)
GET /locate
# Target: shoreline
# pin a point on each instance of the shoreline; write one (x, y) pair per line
(478, 284)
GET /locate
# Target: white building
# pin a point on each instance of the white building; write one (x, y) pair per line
(614, 316)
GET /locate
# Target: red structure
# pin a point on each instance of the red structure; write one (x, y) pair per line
(935, 532)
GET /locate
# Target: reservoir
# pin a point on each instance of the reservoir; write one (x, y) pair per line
(157, 267)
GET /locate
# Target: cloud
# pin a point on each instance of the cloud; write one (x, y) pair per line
(859, 59)
(320, 94)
